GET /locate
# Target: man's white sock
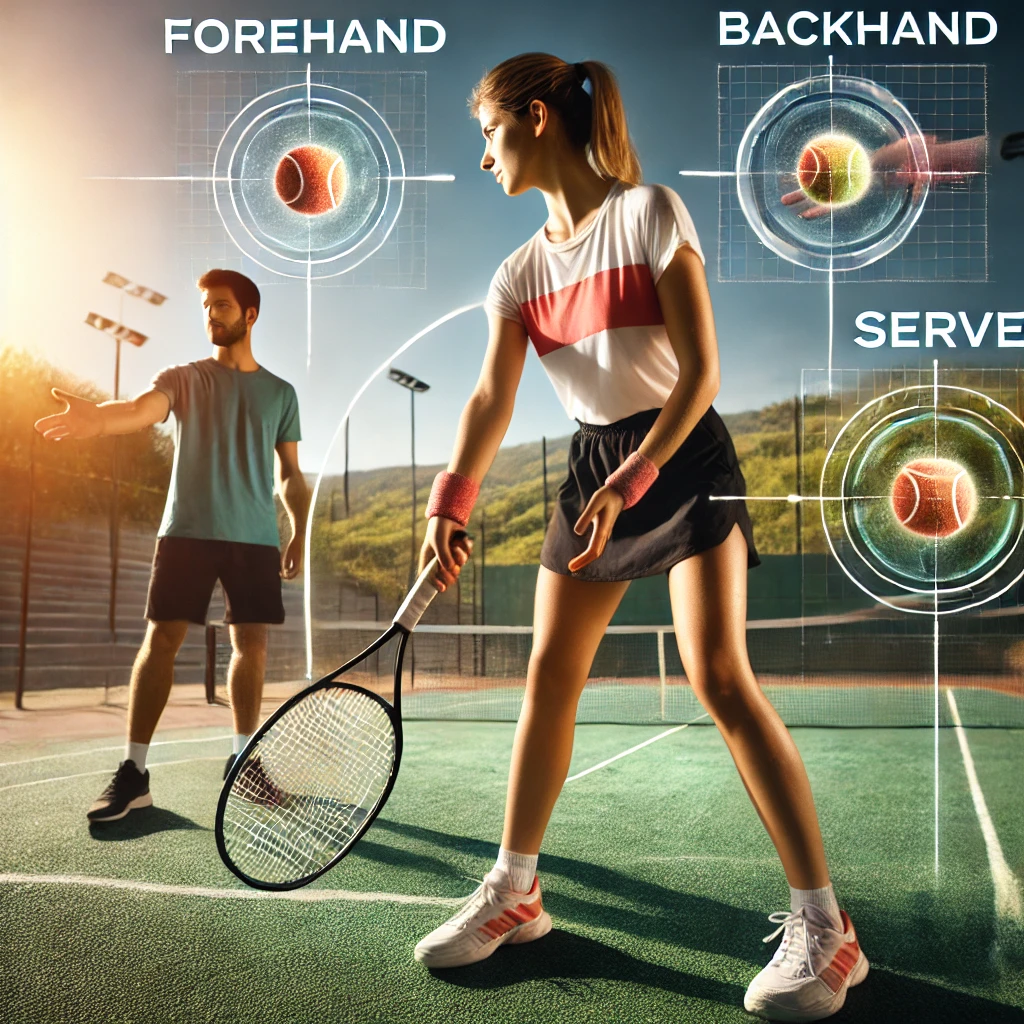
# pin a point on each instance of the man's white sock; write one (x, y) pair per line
(824, 899)
(137, 752)
(238, 741)
(519, 868)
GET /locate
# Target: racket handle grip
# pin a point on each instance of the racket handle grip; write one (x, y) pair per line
(418, 599)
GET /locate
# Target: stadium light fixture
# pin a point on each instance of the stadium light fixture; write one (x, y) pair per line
(415, 386)
(119, 332)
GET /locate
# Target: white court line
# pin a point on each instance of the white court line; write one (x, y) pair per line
(297, 895)
(1007, 885)
(107, 750)
(106, 771)
(633, 750)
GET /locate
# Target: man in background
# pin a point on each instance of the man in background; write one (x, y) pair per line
(234, 420)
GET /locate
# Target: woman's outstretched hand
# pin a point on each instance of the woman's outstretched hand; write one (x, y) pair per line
(452, 545)
(602, 510)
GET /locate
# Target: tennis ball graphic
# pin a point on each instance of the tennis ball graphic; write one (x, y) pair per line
(310, 179)
(834, 170)
(933, 497)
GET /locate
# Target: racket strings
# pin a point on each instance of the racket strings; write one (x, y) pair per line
(308, 785)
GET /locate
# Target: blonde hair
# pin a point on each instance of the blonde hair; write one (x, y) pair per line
(594, 121)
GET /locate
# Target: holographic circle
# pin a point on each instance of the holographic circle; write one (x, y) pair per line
(283, 240)
(897, 566)
(844, 236)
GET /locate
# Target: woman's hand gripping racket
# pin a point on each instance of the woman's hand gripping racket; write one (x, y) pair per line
(311, 780)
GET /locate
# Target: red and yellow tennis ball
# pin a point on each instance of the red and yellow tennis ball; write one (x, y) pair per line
(310, 179)
(834, 170)
(933, 497)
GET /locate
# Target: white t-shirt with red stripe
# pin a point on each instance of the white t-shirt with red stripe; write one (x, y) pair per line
(590, 307)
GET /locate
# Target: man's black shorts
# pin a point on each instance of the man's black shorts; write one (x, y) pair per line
(185, 571)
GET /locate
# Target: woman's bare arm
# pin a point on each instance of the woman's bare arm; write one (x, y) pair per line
(690, 324)
(482, 426)
(487, 414)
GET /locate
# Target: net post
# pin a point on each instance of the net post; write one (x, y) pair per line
(210, 675)
(661, 669)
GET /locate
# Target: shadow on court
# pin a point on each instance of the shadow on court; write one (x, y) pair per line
(571, 963)
(884, 996)
(695, 922)
(145, 821)
(919, 933)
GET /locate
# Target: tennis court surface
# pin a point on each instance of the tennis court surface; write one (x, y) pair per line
(656, 870)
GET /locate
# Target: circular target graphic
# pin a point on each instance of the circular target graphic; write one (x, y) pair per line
(857, 155)
(252, 178)
(955, 554)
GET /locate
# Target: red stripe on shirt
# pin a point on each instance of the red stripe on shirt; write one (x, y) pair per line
(620, 297)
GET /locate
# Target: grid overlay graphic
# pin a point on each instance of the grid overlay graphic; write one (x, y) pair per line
(207, 103)
(829, 401)
(949, 241)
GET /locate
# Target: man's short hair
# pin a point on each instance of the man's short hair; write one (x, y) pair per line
(246, 294)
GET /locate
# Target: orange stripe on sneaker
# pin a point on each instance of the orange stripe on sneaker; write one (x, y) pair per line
(511, 918)
(843, 962)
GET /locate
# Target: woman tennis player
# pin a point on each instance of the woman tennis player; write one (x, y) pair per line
(612, 294)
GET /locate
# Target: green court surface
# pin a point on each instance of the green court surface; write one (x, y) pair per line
(656, 870)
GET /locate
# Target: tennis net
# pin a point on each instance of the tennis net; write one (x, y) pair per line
(856, 669)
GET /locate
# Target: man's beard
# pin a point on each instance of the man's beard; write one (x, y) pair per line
(226, 336)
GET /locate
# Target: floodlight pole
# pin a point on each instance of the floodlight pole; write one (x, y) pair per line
(544, 461)
(407, 380)
(346, 474)
(412, 434)
(156, 299)
(115, 491)
(26, 575)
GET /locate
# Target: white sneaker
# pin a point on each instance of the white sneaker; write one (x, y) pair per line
(493, 915)
(813, 967)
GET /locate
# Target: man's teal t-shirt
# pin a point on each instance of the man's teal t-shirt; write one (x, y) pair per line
(227, 424)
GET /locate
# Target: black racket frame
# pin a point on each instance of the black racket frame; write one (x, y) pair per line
(394, 713)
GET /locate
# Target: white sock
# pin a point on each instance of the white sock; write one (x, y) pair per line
(238, 741)
(823, 899)
(519, 868)
(137, 752)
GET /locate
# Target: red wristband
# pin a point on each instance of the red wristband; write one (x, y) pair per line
(452, 496)
(633, 478)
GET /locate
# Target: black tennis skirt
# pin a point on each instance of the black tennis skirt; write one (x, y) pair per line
(672, 521)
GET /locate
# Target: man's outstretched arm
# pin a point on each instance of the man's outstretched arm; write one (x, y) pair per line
(291, 485)
(81, 418)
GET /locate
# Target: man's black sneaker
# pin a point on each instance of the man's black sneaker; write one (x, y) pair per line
(252, 783)
(128, 789)
(227, 767)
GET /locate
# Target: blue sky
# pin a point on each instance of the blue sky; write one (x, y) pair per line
(89, 91)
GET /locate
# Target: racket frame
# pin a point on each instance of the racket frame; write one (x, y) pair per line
(392, 710)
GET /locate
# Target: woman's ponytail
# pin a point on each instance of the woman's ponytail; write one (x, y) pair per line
(611, 148)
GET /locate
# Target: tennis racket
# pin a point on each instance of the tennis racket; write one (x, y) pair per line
(311, 780)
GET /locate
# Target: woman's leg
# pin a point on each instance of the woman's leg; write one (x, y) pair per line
(709, 609)
(570, 618)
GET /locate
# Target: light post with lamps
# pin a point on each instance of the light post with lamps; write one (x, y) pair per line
(414, 384)
(119, 333)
